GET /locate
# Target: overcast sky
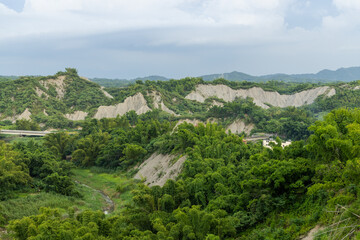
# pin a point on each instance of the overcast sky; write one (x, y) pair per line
(177, 38)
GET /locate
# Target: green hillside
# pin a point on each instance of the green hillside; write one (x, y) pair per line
(47, 101)
(227, 189)
(227, 184)
(48, 98)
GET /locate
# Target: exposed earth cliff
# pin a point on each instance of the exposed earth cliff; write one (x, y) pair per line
(158, 168)
(136, 103)
(261, 97)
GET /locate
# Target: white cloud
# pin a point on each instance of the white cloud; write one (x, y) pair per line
(81, 17)
(347, 5)
(249, 31)
(348, 19)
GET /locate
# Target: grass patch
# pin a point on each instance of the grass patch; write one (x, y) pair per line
(27, 204)
(27, 139)
(90, 199)
(109, 183)
(18, 139)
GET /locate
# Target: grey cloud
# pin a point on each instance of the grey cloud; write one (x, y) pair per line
(283, 44)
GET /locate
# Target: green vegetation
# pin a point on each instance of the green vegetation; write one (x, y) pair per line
(49, 98)
(23, 124)
(56, 187)
(290, 122)
(227, 189)
(271, 85)
(30, 165)
(347, 95)
(29, 204)
(115, 185)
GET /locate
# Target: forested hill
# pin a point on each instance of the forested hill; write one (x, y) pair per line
(49, 98)
(272, 107)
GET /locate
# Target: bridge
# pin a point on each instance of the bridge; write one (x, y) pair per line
(24, 132)
(260, 137)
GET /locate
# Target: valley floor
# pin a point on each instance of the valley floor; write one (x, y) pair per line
(107, 184)
(98, 191)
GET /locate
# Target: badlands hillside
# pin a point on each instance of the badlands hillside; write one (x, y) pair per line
(56, 101)
(62, 96)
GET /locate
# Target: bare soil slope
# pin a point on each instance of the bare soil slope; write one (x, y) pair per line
(26, 115)
(260, 96)
(239, 126)
(158, 168)
(76, 116)
(159, 104)
(58, 83)
(136, 103)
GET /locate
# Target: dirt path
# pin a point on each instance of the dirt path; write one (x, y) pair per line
(110, 205)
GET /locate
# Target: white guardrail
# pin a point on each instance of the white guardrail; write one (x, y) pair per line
(24, 132)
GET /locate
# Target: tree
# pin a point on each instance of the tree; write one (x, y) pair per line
(133, 153)
(14, 173)
(60, 142)
(89, 147)
(24, 124)
(336, 137)
(132, 117)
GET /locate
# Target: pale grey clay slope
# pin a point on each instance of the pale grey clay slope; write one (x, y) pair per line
(260, 96)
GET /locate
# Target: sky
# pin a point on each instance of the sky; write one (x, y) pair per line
(177, 38)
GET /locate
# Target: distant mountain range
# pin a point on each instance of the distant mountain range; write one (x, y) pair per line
(339, 75)
(5, 78)
(107, 82)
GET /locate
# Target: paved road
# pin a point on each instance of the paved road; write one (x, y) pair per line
(24, 133)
